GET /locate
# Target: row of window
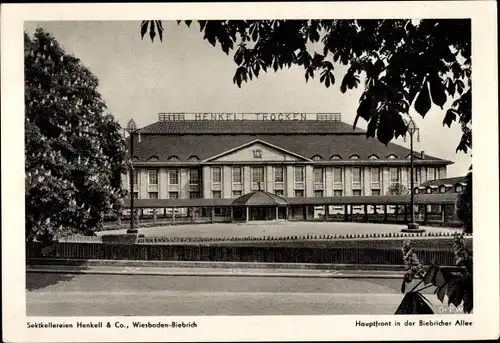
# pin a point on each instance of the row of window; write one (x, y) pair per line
(173, 177)
(257, 175)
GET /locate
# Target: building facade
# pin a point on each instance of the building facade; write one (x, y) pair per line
(290, 155)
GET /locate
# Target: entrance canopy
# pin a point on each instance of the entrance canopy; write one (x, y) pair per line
(260, 198)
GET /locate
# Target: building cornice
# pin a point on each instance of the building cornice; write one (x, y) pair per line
(339, 163)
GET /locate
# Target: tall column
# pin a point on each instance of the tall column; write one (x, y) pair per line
(277, 213)
(247, 217)
(226, 182)
(348, 181)
(207, 190)
(328, 181)
(405, 177)
(309, 181)
(163, 183)
(385, 180)
(290, 186)
(367, 187)
(269, 179)
(183, 183)
(143, 183)
(247, 182)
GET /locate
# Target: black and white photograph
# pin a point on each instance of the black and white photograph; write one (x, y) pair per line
(178, 170)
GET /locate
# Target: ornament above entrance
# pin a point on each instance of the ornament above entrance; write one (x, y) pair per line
(257, 150)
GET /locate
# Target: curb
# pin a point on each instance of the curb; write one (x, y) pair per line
(127, 271)
(214, 265)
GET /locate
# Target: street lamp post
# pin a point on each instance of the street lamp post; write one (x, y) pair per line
(131, 129)
(412, 130)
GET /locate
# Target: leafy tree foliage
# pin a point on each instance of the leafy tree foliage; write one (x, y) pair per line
(74, 151)
(397, 189)
(456, 283)
(399, 63)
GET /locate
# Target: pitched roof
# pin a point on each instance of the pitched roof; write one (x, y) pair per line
(164, 146)
(194, 127)
(259, 198)
(448, 181)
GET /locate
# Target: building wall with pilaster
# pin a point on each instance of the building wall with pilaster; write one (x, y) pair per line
(289, 185)
(207, 182)
(367, 189)
(328, 191)
(309, 181)
(385, 181)
(227, 186)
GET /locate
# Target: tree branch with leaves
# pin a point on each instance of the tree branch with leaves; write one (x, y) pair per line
(402, 63)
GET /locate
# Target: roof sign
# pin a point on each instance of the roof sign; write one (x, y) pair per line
(249, 116)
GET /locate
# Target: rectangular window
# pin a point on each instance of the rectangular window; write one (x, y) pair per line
(236, 194)
(318, 194)
(194, 177)
(394, 174)
(237, 174)
(278, 174)
(153, 195)
(375, 177)
(299, 193)
(216, 194)
(337, 193)
(258, 175)
(337, 179)
(356, 178)
(299, 174)
(173, 177)
(173, 195)
(153, 176)
(375, 181)
(318, 175)
(356, 192)
(278, 192)
(194, 195)
(216, 175)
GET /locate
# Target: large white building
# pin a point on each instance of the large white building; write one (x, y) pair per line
(286, 154)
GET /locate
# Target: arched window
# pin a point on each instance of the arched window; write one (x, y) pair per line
(193, 158)
(442, 189)
(373, 157)
(154, 158)
(317, 158)
(392, 157)
(428, 190)
(135, 158)
(416, 190)
(458, 188)
(173, 158)
(354, 157)
(336, 157)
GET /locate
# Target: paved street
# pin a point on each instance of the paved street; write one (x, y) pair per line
(274, 229)
(145, 295)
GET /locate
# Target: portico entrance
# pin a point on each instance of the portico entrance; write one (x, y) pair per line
(259, 206)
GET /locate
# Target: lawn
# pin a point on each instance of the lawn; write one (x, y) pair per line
(273, 229)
